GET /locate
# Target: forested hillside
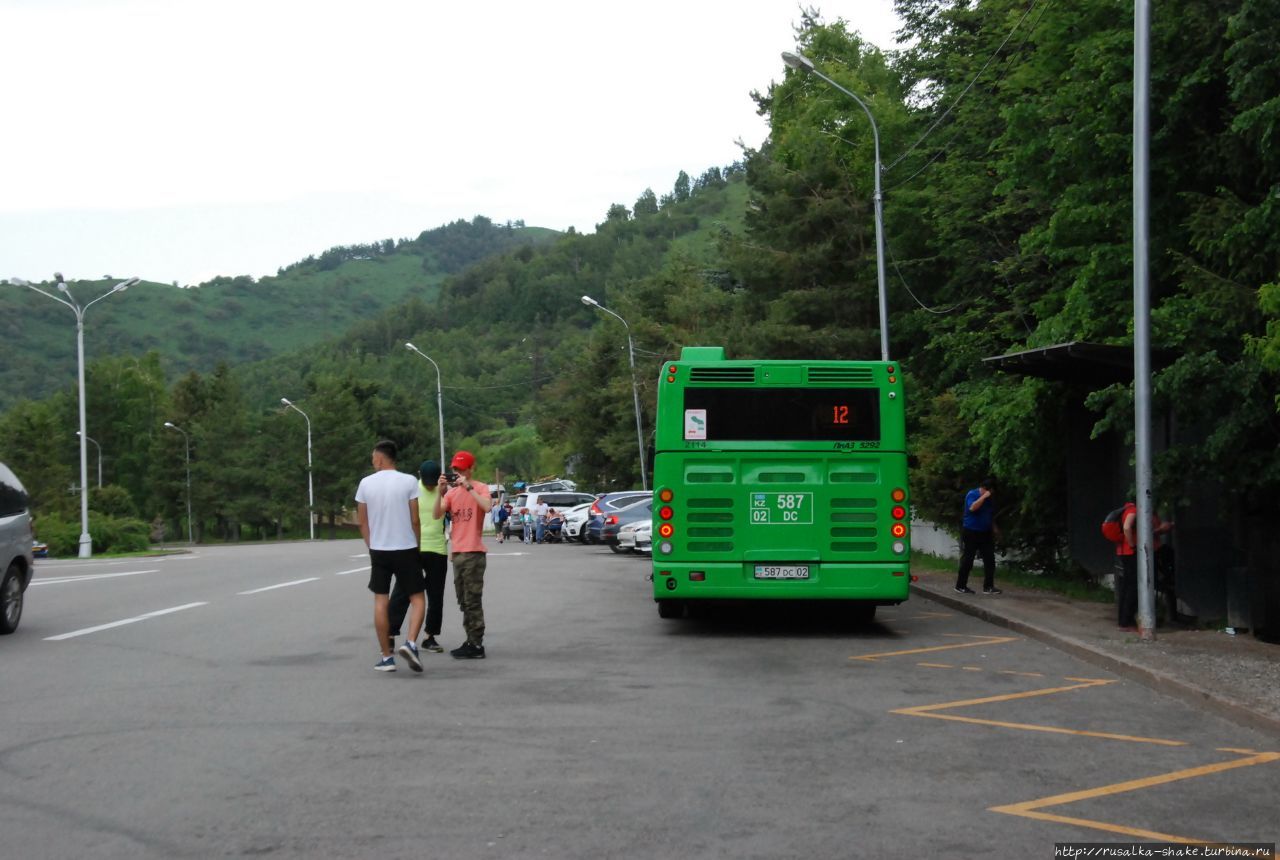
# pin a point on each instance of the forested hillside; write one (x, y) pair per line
(1005, 129)
(237, 319)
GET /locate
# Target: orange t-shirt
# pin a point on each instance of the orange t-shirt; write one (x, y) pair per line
(1126, 548)
(467, 518)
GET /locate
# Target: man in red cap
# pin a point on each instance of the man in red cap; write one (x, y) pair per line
(467, 503)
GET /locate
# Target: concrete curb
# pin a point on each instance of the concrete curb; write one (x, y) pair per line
(1237, 712)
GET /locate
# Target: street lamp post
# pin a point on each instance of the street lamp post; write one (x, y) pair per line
(187, 439)
(635, 392)
(804, 64)
(439, 398)
(311, 499)
(86, 542)
(99, 447)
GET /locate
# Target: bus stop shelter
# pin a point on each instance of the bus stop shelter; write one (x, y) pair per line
(1222, 570)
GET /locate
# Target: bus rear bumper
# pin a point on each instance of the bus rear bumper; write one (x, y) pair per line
(874, 581)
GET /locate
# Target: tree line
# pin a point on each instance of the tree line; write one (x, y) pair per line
(1005, 132)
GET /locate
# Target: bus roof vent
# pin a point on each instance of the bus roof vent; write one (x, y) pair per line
(702, 353)
(722, 374)
(850, 375)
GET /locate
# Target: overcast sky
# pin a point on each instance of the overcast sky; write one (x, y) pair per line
(182, 139)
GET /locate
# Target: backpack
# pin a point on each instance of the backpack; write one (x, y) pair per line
(1113, 525)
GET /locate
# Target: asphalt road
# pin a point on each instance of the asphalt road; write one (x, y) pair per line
(224, 704)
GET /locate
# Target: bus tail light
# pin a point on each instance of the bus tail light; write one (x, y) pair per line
(666, 530)
(898, 530)
(665, 495)
(697, 576)
(899, 512)
(898, 494)
(665, 549)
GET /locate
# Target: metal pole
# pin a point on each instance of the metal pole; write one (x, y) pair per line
(191, 539)
(635, 392)
(1142, 314)
(439, 398)
(86, 542)
(804, 64)
(635, 395)
(311, 499)
(99, 447)
(311, 496)
(187, 440)
(440, 413)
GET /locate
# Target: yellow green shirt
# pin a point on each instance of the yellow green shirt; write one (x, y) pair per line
(433, 539)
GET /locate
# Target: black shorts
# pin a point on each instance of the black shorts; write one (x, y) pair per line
(400, 563)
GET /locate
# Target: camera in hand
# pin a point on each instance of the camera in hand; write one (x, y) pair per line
(451, 477)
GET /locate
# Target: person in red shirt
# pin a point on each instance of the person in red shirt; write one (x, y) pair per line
(467, 502)
(1127, 549)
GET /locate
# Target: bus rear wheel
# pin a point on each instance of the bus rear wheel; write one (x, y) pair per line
(670, 609)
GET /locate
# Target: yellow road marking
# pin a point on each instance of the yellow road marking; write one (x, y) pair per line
(1023, 674)
(936, 665)
(1029, 809)
(931, 711)
(924, 615)
(985, 640)
(972, 668)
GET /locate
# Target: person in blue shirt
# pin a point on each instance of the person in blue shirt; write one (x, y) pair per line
(977, 535)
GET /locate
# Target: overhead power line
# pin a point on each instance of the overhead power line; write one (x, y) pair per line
(963, 92)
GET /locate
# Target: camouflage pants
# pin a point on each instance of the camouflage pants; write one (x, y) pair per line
(468, 583)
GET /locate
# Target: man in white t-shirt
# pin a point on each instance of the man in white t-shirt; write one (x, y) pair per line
(540, 517)
(387, 504)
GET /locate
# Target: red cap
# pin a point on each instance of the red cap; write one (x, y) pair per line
(463, 460)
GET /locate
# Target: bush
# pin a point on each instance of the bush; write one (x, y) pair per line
(110, 534)
(112, 501)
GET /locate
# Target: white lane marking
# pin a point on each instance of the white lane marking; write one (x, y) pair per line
(43, 564)
(278, 585)
(88, 576)
(506, 554)
(361, 555)
(123, 622)
(352, 570)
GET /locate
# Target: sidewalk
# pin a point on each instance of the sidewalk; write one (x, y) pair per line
(1237, 677)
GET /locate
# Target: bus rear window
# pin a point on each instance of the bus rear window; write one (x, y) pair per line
(782, 414)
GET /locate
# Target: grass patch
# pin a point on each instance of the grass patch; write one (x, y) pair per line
(1019, 577)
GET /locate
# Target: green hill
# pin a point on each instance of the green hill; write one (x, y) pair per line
(238, 319)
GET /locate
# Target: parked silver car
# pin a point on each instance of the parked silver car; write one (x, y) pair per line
(15, 548)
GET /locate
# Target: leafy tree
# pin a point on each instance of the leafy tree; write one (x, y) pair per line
(681, 189)
(647, 204)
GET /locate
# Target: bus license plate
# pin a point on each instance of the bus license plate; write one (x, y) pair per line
(770, 571)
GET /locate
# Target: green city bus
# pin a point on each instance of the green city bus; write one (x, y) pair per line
(779, 480)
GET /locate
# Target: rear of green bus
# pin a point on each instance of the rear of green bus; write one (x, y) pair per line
(779, 480)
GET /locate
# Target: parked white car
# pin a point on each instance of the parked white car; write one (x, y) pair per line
(637, 536)
(575, 520)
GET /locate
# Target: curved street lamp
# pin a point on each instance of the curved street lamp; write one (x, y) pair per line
(311, 499)
(439, 400)
(99, 447)
(635, 392)
(801, 63)
(86, 542)
(185, 438)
